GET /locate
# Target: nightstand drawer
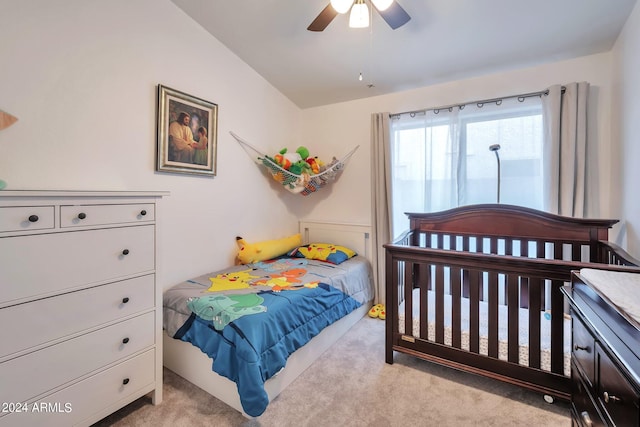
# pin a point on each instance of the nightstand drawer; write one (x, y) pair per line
(83, 402)
(68, 261)
(615, 394)
(583, 349)
(36, 373)
(90, 215)
(28, 325)
(26, 218)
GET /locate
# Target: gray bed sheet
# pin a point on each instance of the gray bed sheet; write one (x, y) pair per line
(353, 277)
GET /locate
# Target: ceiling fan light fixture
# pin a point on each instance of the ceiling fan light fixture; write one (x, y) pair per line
(382, 4)
(341, 6)
(359, 17)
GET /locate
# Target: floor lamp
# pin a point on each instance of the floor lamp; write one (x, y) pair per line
(495, 148)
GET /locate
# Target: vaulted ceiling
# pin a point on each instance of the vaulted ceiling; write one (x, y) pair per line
(444, 40)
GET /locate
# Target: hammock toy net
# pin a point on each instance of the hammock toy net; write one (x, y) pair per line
(304, 183)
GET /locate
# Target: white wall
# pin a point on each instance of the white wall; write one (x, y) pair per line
(81, 77)
(348, 123)
(626, 132)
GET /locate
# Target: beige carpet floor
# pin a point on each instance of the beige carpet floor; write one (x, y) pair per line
(351, 385)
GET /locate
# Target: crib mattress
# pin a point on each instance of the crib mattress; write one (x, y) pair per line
(523, 332)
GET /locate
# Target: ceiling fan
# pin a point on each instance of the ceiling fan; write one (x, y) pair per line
(390, 10)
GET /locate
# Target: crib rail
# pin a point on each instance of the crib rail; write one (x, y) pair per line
(488, 279)
(610, 253)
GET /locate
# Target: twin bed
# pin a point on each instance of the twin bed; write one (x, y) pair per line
(245, 344)
(477, 288)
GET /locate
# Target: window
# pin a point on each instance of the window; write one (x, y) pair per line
(441, 158)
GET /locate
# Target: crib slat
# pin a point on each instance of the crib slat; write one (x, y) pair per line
(439, 300)
(576, 252)
(493, 314)
(425, 286)
(514, 318)
(557, 250)
(534, 322)
(493, 245)
(455, 306)
(408, 298)
(557, 327)
(508, 246)
(474, 311)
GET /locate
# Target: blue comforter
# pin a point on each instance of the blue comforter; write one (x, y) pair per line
(250, 349)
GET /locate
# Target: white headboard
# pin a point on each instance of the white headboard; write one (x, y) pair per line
(352, 236)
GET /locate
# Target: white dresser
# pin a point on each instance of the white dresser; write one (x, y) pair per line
(80, 312)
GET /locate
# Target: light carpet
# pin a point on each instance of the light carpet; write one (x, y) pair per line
(351, 385)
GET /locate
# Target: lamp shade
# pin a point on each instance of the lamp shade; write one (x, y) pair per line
(382, 4)
(341, 6)
(359, 17)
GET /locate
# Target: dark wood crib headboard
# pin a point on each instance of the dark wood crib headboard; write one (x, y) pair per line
(511, 223)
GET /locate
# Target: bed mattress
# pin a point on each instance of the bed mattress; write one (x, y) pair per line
(523, 332)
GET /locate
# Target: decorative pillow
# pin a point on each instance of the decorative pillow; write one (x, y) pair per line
(249, 253)
(334, 254)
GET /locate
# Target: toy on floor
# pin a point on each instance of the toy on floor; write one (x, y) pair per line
(378, 311)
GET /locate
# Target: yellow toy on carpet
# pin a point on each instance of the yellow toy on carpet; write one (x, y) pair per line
(378, 311)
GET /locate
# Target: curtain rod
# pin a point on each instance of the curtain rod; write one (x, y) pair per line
(498, 101)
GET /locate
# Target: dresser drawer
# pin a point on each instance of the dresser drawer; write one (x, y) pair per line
(67, 261)
(37, 372)
(616, 395)
(583, 349)
(34, 323)
(84, 402)
(26, 218)
(90, 215)
(585, 411)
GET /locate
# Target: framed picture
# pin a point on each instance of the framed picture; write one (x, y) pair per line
(187, 133)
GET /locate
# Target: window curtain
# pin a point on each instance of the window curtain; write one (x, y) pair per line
(381, 198)
(565, 147)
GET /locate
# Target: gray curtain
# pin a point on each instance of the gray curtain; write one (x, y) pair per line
(380, 197)
(565, 148)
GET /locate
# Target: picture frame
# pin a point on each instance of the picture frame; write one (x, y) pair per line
(187, 133)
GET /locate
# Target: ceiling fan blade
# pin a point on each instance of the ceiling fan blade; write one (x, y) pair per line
(323, 19)
(394, 15)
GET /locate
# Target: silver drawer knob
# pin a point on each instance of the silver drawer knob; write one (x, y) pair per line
(586, 418)
(609, 398)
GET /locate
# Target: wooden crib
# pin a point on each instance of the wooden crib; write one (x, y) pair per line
(477, 288)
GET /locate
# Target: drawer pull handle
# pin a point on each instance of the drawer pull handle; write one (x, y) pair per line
(125, 252)
(586, 418)
(125, 300)
(125, 341)
(609, 398)
(33, 218)
(82, 215)
(578, 347)
(125, 381)
(143, 212)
